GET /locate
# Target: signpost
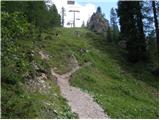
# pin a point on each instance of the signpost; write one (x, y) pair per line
(74, 11)
(70, 2)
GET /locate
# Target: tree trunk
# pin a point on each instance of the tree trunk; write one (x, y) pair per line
(156, 24)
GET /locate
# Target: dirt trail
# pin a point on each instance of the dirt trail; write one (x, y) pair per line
(80, 102)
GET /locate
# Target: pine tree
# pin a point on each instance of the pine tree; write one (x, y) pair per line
(36, 12)
(99, 10)
(114, 26)
(147, 19)
(83, 24)
(63, 14)
(132, 29)
(55, 17)
(156, 23)
(109, 35)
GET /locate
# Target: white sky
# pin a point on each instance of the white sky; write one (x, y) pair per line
(85, 11)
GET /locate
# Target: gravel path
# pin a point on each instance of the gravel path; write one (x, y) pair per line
(80, 102)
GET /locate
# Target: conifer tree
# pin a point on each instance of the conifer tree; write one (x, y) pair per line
(131, 26)
(156, 23)
(114, 26)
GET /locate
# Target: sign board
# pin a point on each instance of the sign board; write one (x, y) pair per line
(70, 2)
(74, 11)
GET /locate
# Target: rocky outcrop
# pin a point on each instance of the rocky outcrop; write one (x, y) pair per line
(98, 23)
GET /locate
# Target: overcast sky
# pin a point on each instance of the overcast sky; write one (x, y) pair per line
(86, 8)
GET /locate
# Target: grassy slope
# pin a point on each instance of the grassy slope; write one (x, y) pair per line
(124, 90)
(20, 102)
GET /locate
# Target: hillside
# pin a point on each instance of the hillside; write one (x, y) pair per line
(122, 89)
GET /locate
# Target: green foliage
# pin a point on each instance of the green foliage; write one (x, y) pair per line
(14, 25)
(83, 25)
(14, 100)
(155, 12)
(114, 26)
(130, 24)
(109, 35)
(20, 33)
(36, 12)
(15, 64)
(124, 92)
(123, 89)
(55, 17)
(148, 18)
